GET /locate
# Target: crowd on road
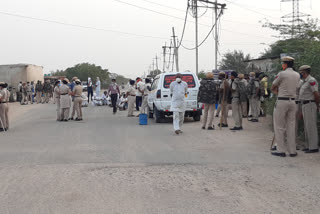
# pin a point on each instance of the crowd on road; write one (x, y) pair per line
(297, 99)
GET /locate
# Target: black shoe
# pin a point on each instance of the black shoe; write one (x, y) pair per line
(312, 151)
(241, 128)
(1, 130)
(282, 154)
(210, 128)
(293, 155)
(203, 127)
(77, 119)
(65, 120)
(223, 125)
(274, 148)
(250, 116)
(235, 129)
(254, 120)
(217, 115)
(71, 118)
(304, 150)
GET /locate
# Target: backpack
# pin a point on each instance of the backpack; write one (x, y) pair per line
(207, 92)
(243, 93)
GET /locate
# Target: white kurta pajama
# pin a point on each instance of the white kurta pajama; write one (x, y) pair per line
(178, 105)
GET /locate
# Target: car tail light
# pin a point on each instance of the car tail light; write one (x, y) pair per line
(194, 109)
(167, 110)
(159, 94)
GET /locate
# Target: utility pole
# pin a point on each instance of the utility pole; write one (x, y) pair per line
(157, 62)
(176, 53)
(216, 36)
(216, 6)
(164, 57)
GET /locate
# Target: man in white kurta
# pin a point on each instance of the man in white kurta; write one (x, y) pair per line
(178, 90)
(98, 87)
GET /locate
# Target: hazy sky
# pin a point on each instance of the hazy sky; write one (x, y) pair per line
(57, 46)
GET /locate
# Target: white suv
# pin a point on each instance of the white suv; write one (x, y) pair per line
(159, 100)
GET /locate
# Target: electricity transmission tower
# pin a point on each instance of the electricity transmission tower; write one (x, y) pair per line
(295, 18)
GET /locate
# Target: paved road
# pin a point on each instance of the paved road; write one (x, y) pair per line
(109, 164)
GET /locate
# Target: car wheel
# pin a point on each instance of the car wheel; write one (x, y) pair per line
(157, 115)
(197, 117)
(150, 113)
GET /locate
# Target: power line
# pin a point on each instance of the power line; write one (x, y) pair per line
(246, 8)
(79, 26)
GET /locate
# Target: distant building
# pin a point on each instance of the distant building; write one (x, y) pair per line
(13, 74)
(265, 65)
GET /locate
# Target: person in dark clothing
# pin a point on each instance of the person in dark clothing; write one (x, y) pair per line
(114, 93)
(90, 89)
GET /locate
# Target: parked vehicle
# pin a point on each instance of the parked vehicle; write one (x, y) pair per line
(159, 100)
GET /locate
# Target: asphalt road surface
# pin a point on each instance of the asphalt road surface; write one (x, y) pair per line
(109, 164)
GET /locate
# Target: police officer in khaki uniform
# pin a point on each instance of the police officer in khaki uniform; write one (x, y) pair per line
(56, 94)
(131, 95)
(147, 89)
(65, 100)
(3, 102)
(285, 86)
(7, 105)
(77, 102)
(254, 97)
(223, 99)
(309, 97)
(236, 104)
(29, 93)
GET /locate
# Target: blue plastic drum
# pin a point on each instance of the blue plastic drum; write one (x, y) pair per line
(143, 119)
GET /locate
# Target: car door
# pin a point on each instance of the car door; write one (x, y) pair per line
(152, 95)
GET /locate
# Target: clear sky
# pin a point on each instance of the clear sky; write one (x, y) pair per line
(125, 38)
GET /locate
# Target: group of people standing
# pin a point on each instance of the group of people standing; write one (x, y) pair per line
(241, 93)
(137, 95)
(66, 93)
(28, 92)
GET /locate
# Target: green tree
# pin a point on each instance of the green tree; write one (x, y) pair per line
(235, 61)
(202, 75)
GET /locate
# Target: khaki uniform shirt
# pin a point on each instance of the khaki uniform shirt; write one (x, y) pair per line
(222, 86)
(7, 94)
(65, 101)
(287, 82)
(29, 88)
(235, 91)
(131, 91)
(78, 90)
(309, 86)
(3, 96)
(146, 90)
(56, 92)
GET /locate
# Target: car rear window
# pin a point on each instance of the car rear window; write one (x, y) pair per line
(188, 78)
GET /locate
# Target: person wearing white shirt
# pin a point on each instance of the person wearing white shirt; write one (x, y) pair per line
(178, 91)
(104, 98)
(146, 92)
(139, 92)
(98, 87)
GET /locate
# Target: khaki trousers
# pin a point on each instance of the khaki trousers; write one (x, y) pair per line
(38, 97)
(23, 100)
(224, 113)
(46, 97)
(254, 105)
(144, 106)
(237, 112)
(6, 108)
(73, 109)
(58, 109)
(3, 121)
(64, 113)
(131, 101)
(29, 97)
(244, 108)
(298, 112)
(77, 105)
(208, 115)
(309, 112)
(218, 110)
(284, 118)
